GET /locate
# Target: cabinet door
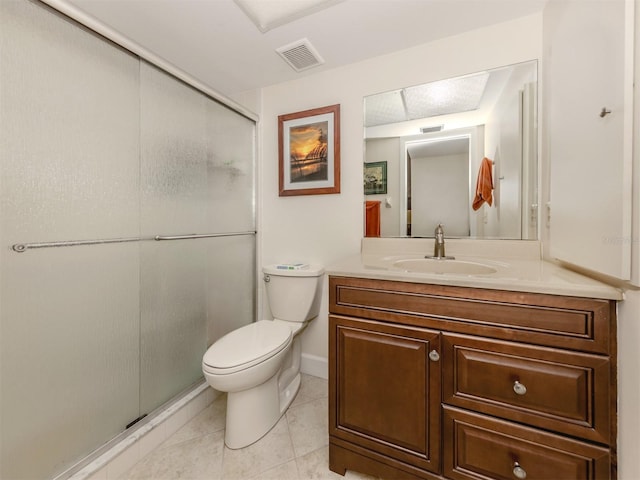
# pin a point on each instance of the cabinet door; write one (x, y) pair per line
(589, 112)
(385, 389)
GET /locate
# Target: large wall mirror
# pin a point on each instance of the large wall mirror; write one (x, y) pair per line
(425, 149)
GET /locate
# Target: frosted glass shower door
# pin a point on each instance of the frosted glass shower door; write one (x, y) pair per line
(196, 178)
(231, 280)
(69, 142)
(99, 146)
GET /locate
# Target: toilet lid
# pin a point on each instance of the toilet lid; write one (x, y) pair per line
(248, 344)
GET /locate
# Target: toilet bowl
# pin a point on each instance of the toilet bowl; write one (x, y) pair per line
(258, 365)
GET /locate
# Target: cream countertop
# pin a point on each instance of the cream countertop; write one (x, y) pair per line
(517, 263)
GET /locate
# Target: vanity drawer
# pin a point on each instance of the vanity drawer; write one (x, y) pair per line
(566, 392)
(480, 447)
(548, 320)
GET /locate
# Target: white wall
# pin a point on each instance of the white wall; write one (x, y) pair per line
(440, 194)
(325, 228)
(629, 318)
(387, 150)
(629, 386)
(503, 144)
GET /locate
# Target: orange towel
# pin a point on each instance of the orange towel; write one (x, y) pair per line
(484, 185)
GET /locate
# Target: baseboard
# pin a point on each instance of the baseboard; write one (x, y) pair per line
(314, 365)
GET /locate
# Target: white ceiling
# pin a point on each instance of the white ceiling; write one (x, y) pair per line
(218, 44)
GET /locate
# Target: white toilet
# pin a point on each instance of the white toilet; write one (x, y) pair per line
(259, 364)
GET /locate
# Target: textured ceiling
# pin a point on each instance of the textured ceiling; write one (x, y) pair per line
(216, 42)
(453, 95)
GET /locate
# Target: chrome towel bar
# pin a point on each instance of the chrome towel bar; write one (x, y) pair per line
(201, 235)
(23, 247)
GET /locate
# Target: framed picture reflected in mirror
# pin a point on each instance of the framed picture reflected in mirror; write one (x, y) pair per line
(375, 178)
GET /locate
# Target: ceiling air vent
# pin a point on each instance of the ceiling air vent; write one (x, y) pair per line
(435, 128)
(300, 55)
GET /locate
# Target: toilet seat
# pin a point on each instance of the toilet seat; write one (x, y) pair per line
(246, 347)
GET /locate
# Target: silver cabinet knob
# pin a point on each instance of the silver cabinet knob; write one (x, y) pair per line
(518, 471)
(519, 388)
(434, 355)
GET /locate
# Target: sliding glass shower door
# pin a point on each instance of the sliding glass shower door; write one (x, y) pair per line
(97, 145)
(69, 355)
(196, 177)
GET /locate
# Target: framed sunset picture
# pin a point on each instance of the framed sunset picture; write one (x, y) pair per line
(309, 152)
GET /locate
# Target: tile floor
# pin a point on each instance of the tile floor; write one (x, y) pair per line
(297, 448)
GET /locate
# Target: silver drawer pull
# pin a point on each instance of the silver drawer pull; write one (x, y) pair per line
(520, 389)
(518, 471)
(434, 355)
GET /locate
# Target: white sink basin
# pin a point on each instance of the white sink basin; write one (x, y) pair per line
(429, 265)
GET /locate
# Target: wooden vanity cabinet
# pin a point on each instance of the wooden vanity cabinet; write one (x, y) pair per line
(429, 381)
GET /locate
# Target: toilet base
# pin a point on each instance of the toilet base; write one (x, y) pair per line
(289, 393)
(252, 413)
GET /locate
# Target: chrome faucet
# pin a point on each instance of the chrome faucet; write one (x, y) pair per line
(438, 246)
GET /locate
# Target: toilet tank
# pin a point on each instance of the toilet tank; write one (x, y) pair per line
(294, 295)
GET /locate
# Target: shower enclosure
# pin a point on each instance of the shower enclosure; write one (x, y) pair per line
(127, 237)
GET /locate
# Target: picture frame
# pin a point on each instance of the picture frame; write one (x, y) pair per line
(375, 178)
(309, 152)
